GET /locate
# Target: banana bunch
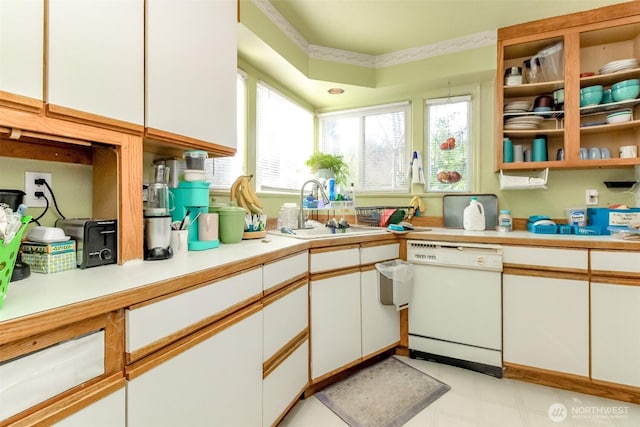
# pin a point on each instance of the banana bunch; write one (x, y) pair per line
(244, 195)
(418, 206)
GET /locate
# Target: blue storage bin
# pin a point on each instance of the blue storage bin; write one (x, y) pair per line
(542, 229)
(565, 229)
(605, 217)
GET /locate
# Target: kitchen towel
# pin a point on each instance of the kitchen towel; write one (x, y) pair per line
(417, 173)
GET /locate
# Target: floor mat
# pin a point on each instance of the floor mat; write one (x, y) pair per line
(386, 394)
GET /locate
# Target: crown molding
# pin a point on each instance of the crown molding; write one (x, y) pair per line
(472, 41)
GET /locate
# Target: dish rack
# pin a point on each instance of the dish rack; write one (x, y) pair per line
(382, 216)
(8, 257)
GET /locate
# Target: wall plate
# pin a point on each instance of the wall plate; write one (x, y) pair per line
(30, 188)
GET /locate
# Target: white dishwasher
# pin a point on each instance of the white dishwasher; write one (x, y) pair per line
(455, 316)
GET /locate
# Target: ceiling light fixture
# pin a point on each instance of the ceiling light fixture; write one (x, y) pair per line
(336, 91)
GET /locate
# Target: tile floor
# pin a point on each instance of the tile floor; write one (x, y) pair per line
(478, 400)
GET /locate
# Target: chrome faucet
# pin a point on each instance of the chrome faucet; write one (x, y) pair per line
(320, 189)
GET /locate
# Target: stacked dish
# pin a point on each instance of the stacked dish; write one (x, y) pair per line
(523, 122)
(619, 65)
(591, 95)
(619, 117)
(625, 90)
(517, 107)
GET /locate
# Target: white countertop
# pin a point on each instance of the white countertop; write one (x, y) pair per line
(519, 235)
(41, 292)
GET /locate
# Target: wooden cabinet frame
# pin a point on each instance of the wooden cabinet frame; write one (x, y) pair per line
(569, 29)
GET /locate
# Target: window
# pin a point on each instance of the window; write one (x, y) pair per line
(374, 143)
(227, 169)
(284, 140)
(448, 144)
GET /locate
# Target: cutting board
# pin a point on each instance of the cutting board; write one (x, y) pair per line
(453, 207)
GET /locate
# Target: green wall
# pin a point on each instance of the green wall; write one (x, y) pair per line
(467, 72)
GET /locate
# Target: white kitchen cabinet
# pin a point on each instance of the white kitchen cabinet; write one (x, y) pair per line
(40, 375)
(348, 323)
(330, 259)
(282, 387)
(286, 315)
(147, 325)
(191, 66)
(110, 411)
(213, 378)
(335, 322)
(380, 323)
(21, 49)
(282, 271)
(546, 323)
(96, 58)
(615, 333)
(615, 317)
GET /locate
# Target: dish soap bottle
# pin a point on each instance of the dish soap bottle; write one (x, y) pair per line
(473, 216)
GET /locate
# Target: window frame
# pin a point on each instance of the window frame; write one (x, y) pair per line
(361, 113)
(469, 144)
(302, 171)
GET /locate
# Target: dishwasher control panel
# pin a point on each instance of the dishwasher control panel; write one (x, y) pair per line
(451, 254)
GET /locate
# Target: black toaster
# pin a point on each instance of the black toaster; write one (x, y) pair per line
(96, 240)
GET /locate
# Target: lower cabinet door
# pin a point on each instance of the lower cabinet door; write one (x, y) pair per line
(615, 333)
(106, 412)
(216, 382)
(335, 323)
(546, 323)
(282, 387)
(380, 323)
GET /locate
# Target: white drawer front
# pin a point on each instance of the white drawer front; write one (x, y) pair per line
(282, 386)
(379, 253)
(326, 261)
(615, 261)
(284, 319)
(547, 257)
(283, 270)
(38, 376)
(153, 322)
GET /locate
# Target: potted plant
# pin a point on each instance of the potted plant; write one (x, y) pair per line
(338, 168)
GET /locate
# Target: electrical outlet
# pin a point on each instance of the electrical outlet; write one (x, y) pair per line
(591, 197)
(30, 188)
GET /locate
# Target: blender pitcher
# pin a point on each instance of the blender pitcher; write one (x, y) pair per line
(159, 200)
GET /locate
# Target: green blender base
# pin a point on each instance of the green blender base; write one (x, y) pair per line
(202, 245)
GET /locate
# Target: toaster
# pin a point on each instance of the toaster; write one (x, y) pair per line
(96, 240)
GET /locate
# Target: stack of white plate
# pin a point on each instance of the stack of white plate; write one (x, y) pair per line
(517, 107)
(619, 65)
(523, 122)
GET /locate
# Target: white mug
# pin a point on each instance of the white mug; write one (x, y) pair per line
(518, 153)
(208, 226)
(180, 242)
(628, 151)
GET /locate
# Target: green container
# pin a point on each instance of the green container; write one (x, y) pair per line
(231, 224)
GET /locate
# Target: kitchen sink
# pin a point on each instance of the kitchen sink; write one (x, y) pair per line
(326, 232)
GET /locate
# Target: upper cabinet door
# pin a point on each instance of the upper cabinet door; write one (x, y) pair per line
(21, 47)
(96, 57)
(191, 69)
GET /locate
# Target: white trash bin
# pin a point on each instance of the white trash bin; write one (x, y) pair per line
(395, 283)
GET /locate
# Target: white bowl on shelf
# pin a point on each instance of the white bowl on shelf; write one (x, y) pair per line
(619, 117)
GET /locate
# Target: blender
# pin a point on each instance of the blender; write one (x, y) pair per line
(157, 217)
(157, 237)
